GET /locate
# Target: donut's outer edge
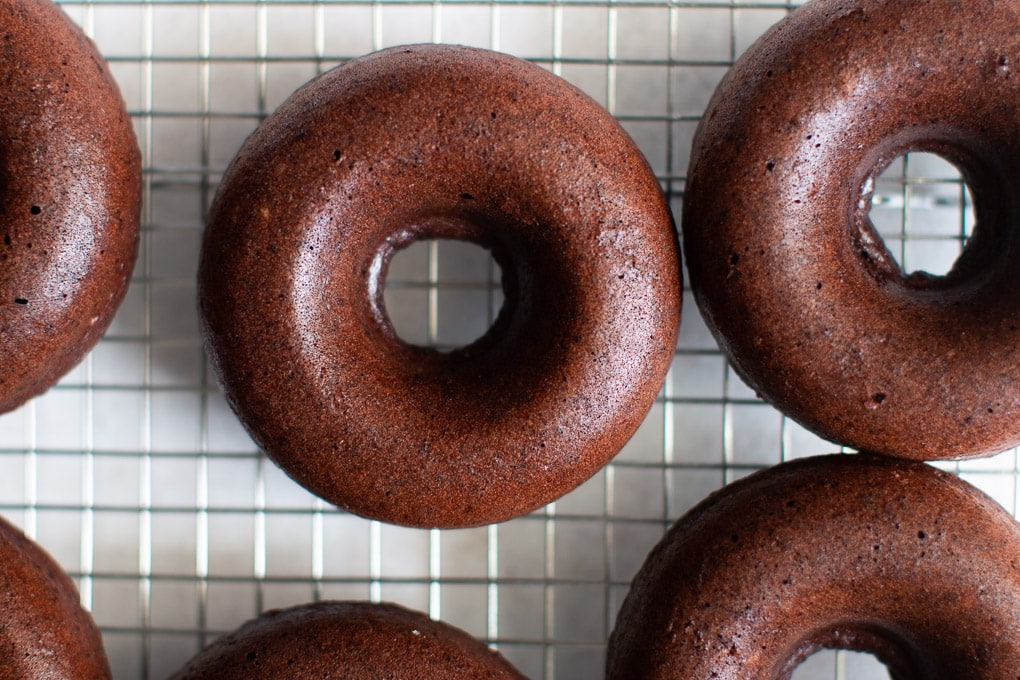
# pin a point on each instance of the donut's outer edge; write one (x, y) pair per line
(70, 196)
(307, 359)
(811, 309)
(347, 641)
(44, 631)
(863, 552)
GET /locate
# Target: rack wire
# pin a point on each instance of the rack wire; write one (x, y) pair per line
(134, 474)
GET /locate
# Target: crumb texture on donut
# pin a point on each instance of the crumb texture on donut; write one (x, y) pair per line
(786, 267)
(44, 632)
(347, 641)
(70, 197)
(861, 552)
(426, 142)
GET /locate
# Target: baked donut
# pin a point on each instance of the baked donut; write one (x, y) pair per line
(865, 552)
(347, 641)
(788, 270)
(426, 142)
(70, 197)
(45, 631)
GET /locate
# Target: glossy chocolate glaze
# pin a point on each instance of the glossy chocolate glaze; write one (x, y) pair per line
(423, 142)
(861, 552)
(70, 197)
(786, 267)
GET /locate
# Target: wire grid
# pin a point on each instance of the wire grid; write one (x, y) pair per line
(134, 474)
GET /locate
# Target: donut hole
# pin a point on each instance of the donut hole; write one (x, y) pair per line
(924, 212)
(832, 663)
(859, 650)
(444, 294)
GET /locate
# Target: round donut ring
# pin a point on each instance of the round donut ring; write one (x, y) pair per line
(440, 142)
(347, 641)
(861, 552)
(70, 196)
(46, 633)
(785, 264)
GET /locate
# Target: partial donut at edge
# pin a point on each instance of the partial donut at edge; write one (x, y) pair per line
(425, 142)
(347, 641)
(788, 272)
(861, 552)
(70, 197)
(44, 632)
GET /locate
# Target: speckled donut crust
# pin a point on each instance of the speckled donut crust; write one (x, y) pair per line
(860, 552)
(424, 142)
(785, 265)
(70, 196)
(347, 641)
(44, 632)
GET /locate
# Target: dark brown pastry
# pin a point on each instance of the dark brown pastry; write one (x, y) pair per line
(347, 641)
(800, 291)
(44, 632)
(70, 196)
(425, 142)
(868, 553)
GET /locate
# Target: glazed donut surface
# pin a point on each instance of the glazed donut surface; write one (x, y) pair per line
(70, 193)
(44, 632)
(860, 552)
(785, 264)
(427, 142)
(347, 641)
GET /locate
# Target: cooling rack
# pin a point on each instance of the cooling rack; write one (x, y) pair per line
(136, 476)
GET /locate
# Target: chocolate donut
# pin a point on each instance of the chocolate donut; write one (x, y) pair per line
(44, 632)
(868, 553)
(427, 142)
(70, 196)
(347, 641)
(785, 263)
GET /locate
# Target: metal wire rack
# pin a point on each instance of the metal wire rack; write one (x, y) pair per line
(134, 474)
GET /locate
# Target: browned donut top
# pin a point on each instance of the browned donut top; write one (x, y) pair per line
(44, 632)
(70, 193)
(420, 142)
(347, 641)
(785, 264)
(858, 552)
